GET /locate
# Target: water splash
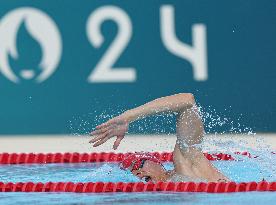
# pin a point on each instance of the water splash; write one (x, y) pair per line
(83, 124)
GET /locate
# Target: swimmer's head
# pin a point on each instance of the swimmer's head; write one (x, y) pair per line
(145, 166)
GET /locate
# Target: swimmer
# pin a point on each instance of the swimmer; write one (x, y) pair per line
(189, 162)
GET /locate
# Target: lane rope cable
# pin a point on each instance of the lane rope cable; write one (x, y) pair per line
(100, 187)
(42, 158)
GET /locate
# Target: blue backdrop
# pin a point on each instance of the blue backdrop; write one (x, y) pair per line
(62, 63)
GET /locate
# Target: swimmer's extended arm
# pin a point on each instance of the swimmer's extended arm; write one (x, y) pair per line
(118, 126)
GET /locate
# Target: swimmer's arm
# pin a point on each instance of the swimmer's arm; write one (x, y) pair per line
(118, 126)
(174, 103)
(188, 157)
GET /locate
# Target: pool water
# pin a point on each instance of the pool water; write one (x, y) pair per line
(243, 170)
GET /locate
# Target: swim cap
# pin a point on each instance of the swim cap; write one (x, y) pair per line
(134, 161)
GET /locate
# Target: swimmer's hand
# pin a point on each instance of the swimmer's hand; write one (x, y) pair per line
(117, 126)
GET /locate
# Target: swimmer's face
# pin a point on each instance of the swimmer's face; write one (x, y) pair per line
(151, 171)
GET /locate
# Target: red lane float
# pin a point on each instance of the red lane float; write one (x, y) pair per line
(40, 158)
(100, 187)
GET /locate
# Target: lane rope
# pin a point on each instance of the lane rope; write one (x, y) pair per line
(42, 158)
(103, 187)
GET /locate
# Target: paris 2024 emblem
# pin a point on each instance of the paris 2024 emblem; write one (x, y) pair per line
(43, 30)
